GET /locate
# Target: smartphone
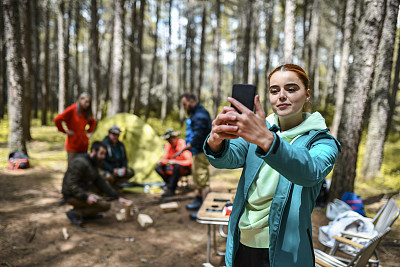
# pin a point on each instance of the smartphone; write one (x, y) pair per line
(244, 93)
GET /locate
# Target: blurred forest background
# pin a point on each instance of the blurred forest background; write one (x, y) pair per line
(139, 56)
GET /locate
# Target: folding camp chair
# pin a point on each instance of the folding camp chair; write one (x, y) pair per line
(385, 217)
(362, 258)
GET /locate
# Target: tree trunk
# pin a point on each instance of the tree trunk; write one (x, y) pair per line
(257, 51)
(77, 85)
(247, 41)
(3, 86)
(360, 78)
(165, 83)
(344, 64)
(36, 89)
(16, 140)
(45, 84)
(153, 64)
(314, 68)
(305, 32)
(379, 96)
(95, 55)
(62, 58)
(392, 101)
(217, 78)
(202, 45)
(138, 89)
(288, 46)
(132, 55)
(117, 58)
(27, 65)
(269, 11)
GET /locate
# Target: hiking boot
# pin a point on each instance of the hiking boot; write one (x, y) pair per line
(93, 217)
(196, 204)
(193, 216)
(168, 193)
(74, 218)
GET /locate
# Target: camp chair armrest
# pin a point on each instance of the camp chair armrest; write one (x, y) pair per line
(347, 241)
(322, 263)
(353, 234)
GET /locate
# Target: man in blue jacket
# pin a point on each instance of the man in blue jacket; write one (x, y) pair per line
(200, 128)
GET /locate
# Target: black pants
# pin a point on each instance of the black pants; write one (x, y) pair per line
(251, 257)
(171, 174)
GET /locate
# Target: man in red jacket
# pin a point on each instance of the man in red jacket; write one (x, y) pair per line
(171, 167)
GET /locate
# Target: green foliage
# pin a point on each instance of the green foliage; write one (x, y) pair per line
(388, 179)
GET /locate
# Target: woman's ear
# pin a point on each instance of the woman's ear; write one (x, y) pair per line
(308, 94)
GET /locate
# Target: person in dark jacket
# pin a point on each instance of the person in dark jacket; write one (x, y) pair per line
(200, 127)
(115, 164)
(80, 182)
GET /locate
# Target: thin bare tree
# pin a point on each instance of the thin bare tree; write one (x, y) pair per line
(117, 59)
(344, 64)
(16, 140)
(288, 46)
(360, 79)
(380, 108)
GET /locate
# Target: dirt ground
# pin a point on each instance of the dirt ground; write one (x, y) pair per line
(31, 223)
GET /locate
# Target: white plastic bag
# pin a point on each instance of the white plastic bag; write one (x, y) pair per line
(335, 208)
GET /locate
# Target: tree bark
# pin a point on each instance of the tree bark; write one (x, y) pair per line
(3, 85)
(117, 58)
(217, 71)
(314, 40)
(45, 84)
(37, 83)
(269, 11)
(166, 86)
(153, 64)
(288, 46)
(138, 89)
(132, 55)
(247, 41)
(27, 65)
(202, 45)
(360, 78)
(392, 102)
(95, 55)
(379, 96)
(16, 140)
(77, 85)
(62, 58)
(344, 64)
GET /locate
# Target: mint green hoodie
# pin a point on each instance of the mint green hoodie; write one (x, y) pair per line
(253, 224)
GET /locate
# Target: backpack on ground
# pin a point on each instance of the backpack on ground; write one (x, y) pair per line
(17, 160)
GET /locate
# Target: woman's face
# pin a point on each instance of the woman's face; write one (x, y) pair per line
(84, 102)
(287, 94)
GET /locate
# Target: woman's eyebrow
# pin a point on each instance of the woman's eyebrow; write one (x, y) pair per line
(292, 84)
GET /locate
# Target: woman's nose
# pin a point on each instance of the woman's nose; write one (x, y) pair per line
(282, 94)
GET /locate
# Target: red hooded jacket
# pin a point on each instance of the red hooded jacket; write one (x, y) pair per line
(79, 142)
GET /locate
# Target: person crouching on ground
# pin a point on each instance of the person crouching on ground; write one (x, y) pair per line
(171, 168)
(82, 185)
(285, 159)
(116, 162)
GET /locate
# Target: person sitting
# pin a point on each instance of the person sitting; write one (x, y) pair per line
(115, 164)
(171, 168)
(80, 183)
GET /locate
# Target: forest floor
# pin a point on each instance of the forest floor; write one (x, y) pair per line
(31, 223)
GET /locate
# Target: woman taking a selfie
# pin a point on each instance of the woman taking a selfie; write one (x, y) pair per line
(285, 159)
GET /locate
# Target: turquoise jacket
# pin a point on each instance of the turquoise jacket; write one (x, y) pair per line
(302, 167)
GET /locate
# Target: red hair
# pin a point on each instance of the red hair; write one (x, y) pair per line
(296, 69)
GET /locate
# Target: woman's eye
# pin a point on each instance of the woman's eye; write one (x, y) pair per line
(273, 91)
(291, 89)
